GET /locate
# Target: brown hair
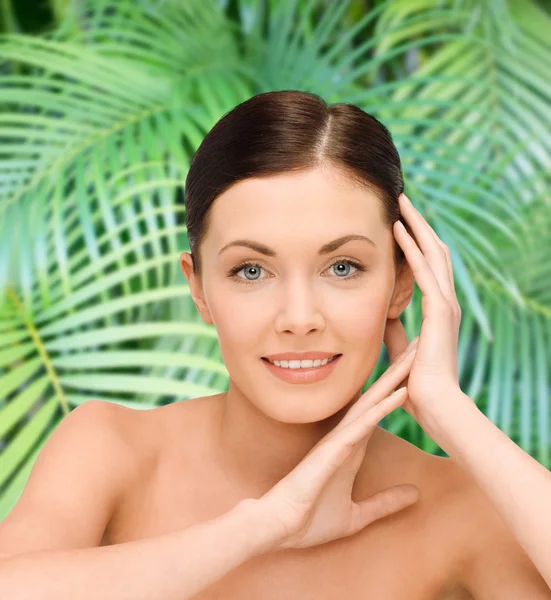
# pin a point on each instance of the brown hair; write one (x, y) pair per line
(284, 131)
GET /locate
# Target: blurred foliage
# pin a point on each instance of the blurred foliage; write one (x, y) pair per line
(102, 111)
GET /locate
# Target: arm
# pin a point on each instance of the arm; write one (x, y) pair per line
(50, 541)
(516, 485)
(516, 522)
(173, 566)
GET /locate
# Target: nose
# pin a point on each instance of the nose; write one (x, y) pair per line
(300, 309)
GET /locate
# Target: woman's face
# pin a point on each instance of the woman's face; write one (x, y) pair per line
(298, 299)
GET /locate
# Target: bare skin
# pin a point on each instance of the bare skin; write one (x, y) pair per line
(179, 482)
(199, 458)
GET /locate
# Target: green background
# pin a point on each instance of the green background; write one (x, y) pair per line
(102, 107)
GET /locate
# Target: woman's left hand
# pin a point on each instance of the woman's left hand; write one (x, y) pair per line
(433, 377)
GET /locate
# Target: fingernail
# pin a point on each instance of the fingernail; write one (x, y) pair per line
(406, 198)
(413, 344)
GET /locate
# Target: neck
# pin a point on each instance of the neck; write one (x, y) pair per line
(257, 451)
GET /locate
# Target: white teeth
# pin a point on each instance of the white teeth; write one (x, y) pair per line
(300, 364)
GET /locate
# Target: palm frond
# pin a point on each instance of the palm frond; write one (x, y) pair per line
(99, 123)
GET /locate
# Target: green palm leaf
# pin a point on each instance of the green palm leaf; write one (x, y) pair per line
(99, 123)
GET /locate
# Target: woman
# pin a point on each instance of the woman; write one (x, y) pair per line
(293, 212)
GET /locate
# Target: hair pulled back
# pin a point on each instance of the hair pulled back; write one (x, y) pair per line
(285, 131)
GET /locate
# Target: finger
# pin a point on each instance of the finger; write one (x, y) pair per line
(447, 251)
(369, 416)
(394, 375)
(429, 244)
(395, 339)
(322, 462)
(416, 221)
(356, 459)
(430, 279)
(382, 504)
(414, 210)
(433, 285)
(450, 274)
(389, 381)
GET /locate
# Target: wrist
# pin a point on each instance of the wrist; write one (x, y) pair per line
(260, 528)
(452, 413)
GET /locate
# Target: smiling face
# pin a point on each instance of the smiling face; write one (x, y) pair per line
(298, 299)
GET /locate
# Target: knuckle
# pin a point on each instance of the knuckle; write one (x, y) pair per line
(447, 307)
(435, 252)
(443, 308)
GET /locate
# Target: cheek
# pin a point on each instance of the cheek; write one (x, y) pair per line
(371, 306)
(362, 316)
(239, 322)
(354, 316)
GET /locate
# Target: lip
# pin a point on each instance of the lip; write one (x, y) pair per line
(312, 375)
(301, 355)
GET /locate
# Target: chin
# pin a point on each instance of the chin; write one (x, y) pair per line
(297, 403)
(309, 406)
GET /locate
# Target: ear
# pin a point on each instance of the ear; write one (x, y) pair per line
(195, 287)
(403, 291)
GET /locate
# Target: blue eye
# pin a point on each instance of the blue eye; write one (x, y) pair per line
(232, 273)
(250, 266)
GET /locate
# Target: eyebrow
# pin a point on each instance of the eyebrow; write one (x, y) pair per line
(325, 249)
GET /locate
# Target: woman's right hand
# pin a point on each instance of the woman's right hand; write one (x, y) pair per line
(312, 504)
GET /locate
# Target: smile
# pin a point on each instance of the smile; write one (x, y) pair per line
(300, 374)
(301, 364)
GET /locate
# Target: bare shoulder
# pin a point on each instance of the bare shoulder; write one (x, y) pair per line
(122, 435)
(429, 532)
(146, 434)
(435, 529)
(447, 508)
(116, 418)
(432, 520)
(74, 485)
(136, 432)
(488, 559)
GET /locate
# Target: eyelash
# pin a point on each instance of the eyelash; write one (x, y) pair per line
(233, 272)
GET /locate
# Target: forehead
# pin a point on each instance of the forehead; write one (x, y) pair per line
(318, 203)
